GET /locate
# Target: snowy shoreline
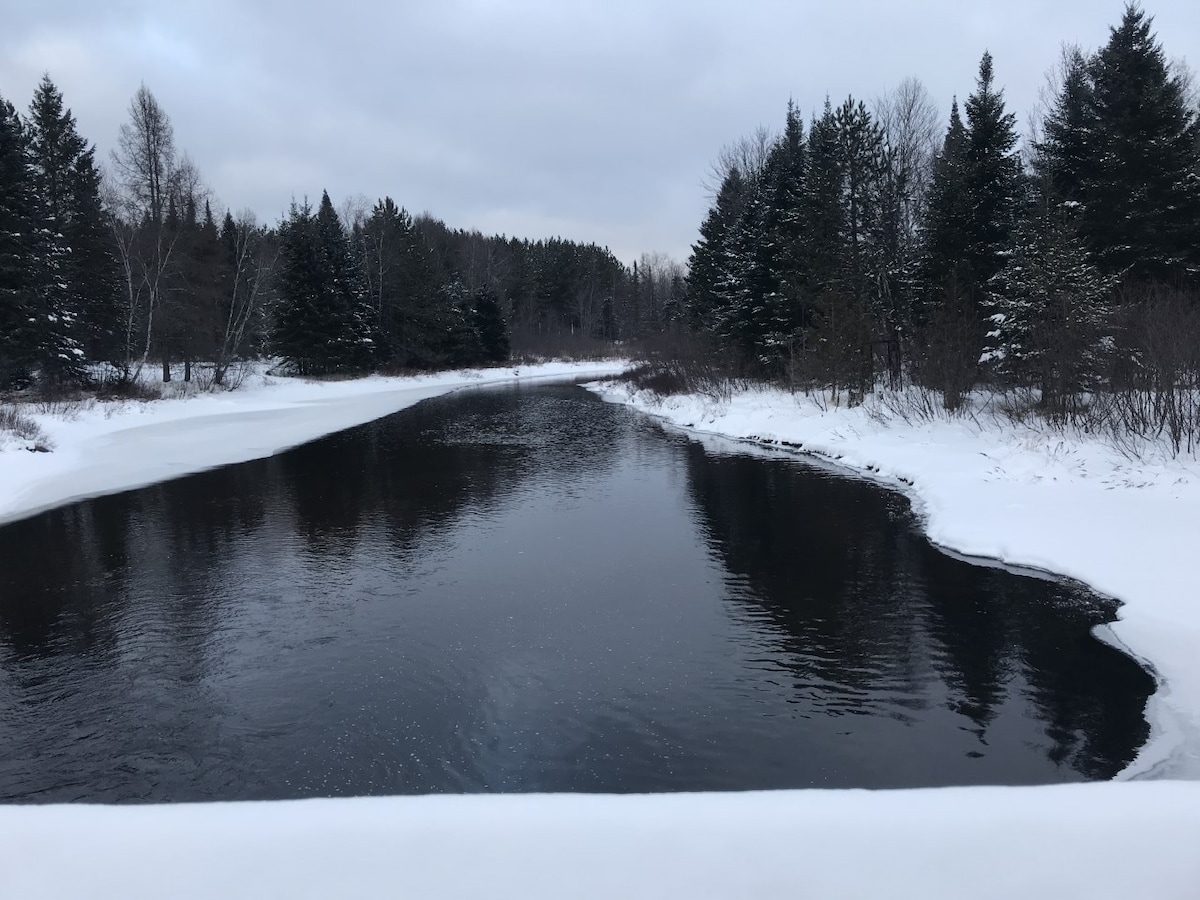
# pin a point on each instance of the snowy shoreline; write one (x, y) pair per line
(103, 448)
(1023, 497)
(1073, 508)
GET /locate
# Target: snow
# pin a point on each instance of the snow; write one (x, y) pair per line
(1120, 842)
(102, 448)
(1067, 505)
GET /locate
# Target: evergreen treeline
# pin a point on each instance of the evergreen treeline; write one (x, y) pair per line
(862, 248)
(102, 276)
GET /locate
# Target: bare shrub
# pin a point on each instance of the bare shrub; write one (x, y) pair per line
(681, 362)
(13, 421)
(1153, 391)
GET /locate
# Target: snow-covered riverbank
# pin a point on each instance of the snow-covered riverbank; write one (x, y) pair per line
(1129, 529)
(1028, 497)
(102, 448)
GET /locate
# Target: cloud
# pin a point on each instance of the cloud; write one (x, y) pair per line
(596, 120)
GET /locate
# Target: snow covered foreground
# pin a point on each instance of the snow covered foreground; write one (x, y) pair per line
(1129, 529)
(1123, 841)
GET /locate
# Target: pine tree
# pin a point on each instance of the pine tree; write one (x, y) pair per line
(1141, 214)
(18, 250)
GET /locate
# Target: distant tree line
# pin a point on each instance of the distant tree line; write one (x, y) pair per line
(867, 249)
(105, 273)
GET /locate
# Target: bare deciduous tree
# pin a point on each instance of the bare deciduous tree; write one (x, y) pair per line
(253, 266)
(354, 210)
(747, 154)
(910, 120)
(145, 155)
(148, 171)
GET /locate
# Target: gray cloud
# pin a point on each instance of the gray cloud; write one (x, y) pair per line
(593, 120)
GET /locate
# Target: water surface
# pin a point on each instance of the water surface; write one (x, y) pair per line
(527, 589)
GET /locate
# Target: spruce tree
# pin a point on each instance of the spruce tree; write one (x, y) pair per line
(1049, 310)
(707, 266)
(944, 314)
(93, 268)
(349, 345)
(749, 295)
(993, 177)
(400, 286)
(1063, 158)
(823, 212)
(1141, 215)
(947, 214)
(61, 293)
(301, 319)
(490, 326)
(761, 311)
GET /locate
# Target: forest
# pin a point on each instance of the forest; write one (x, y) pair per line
(108, 269)
(872, 248)
(876, 249)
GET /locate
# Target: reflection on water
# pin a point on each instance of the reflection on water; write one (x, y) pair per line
(530, 590)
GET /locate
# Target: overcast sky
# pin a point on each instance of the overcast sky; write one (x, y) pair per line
(594, 121)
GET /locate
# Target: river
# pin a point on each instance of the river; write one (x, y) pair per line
(527, 589)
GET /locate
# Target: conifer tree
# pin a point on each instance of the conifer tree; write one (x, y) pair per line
(319, 325)
(300, 320)
(823, 212)
(863, 164)
(1049, 310)
(944, 312)
(93, 267)
(709, 261)
(1141, 214)
(948, 213)
(761, 310)
(17, 246)
(400, 286)
(993, 177)
(490, 326)
(1063, 158)
(57, 153)
(348, 335)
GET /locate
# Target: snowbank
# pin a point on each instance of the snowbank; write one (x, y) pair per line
(1027, 497)
(102, 448)
(1119, 841)
(1131, 530)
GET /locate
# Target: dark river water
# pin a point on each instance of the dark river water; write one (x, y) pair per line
(527, 589)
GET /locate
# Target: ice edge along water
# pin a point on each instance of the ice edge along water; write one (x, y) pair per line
(1103, 840)
(1022, 497)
